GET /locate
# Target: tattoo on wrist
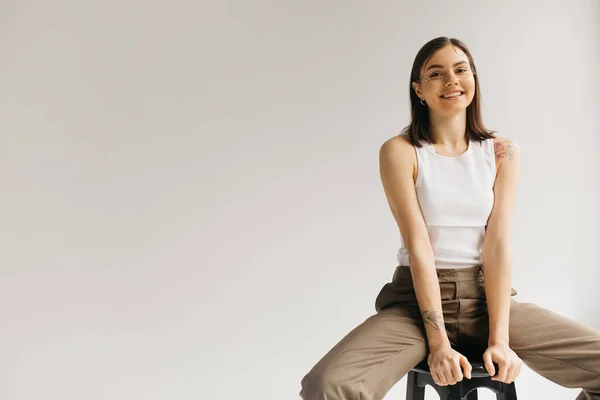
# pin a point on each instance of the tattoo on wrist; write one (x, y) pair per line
(433, 318)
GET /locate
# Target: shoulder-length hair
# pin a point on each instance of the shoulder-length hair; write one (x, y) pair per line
(417, 131)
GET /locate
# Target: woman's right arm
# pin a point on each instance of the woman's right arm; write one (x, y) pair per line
(397, 170)
(396, 165)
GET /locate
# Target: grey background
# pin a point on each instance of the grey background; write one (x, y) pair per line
(191, 204)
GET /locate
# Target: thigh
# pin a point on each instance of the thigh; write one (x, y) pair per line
(371, 358)
(561, 349)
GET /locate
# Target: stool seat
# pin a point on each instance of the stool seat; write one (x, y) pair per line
(420, 376)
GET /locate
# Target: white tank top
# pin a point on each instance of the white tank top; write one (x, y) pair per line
(456, 198)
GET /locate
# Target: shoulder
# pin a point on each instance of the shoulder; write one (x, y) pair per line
(505, 149)
(398, 153)
(398, 146)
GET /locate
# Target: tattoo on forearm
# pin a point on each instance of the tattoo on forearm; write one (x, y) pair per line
(503, 149)
(433, 318)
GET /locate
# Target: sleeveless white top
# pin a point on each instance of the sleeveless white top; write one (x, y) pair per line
(456, 198)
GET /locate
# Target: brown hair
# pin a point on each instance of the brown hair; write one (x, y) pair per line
(418, 130)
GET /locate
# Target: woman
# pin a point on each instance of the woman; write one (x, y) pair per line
(450, 184)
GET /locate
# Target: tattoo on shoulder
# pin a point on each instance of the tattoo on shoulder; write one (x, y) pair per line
(503, 149)
(433, 318)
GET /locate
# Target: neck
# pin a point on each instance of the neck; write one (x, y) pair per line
(449, 131)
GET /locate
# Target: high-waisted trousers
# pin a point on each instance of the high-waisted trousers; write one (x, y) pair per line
(376, 354)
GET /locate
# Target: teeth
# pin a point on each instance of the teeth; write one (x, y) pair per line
(453, 95)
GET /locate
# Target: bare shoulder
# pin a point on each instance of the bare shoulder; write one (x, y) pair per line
(505, 149)
(397, 143)
(398, 153)
(400, 148)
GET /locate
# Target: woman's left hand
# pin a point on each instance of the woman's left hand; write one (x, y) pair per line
(509, 364)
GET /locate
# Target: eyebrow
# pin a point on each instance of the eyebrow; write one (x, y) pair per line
(441, 66)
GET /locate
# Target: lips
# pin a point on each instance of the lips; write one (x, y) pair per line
(454, 91)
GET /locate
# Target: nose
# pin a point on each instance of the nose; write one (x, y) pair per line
(453, 78)
(452, 81)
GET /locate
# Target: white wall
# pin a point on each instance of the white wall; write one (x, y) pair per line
(191, 205)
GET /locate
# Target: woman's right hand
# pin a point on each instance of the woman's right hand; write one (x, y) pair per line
(445, 365)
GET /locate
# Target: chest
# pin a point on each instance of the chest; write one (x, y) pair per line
(455, 192)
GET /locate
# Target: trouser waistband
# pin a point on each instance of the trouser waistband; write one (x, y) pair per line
(474, 273)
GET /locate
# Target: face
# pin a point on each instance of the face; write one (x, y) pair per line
(446, 72)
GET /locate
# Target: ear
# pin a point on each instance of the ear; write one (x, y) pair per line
(416, 88)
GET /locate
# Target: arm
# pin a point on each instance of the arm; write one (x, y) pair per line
(396, 165)
(496, 245)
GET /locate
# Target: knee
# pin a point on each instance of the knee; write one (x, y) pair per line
(316, 386)
(327, 386)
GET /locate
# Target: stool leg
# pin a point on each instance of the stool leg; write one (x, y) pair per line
(472, 395)
(453, 392)
(413, 390)
(443, 392)
(509, 392)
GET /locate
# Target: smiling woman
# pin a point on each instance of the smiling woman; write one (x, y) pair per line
(450, 184)
(444, 89)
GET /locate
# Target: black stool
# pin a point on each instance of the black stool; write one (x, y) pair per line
(419, 377)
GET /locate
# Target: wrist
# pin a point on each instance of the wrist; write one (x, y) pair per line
(440, 344)
(497, 341)
(498, 334)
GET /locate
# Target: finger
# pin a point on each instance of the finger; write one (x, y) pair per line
(502, 371)
(489, 366)
(467, 368)
(457, 374)
(517, 371)
(449, 374)
(438, 379)
(443, 378)
(512, 374)
(435, 377)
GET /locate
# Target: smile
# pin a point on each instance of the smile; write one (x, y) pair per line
(452, 96)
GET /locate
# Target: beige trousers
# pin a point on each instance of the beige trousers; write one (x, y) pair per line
(376, 354)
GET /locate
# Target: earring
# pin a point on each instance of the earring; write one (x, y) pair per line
(422, 102)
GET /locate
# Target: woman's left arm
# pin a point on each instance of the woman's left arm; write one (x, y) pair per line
(497, 254)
